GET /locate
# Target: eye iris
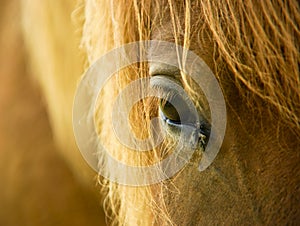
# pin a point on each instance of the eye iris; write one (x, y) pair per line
(169, 111)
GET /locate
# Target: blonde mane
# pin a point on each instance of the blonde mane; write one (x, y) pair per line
(257, 41)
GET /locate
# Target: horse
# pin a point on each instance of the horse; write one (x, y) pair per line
(251, 47)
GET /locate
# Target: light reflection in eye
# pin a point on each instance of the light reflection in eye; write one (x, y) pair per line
(202, 129)
(169, 111)
(170, 115)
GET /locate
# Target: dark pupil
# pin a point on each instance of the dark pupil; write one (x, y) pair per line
(169, 111)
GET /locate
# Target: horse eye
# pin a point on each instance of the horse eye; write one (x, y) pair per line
(177, 110)
(171, 114)
(169, 111)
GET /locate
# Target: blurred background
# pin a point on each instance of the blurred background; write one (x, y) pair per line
(36, 185)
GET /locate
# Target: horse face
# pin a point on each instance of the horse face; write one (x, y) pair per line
(248, 181)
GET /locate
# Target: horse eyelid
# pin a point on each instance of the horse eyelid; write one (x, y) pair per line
(161, 83)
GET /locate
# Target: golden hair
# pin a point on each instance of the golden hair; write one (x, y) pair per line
(256, 41)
